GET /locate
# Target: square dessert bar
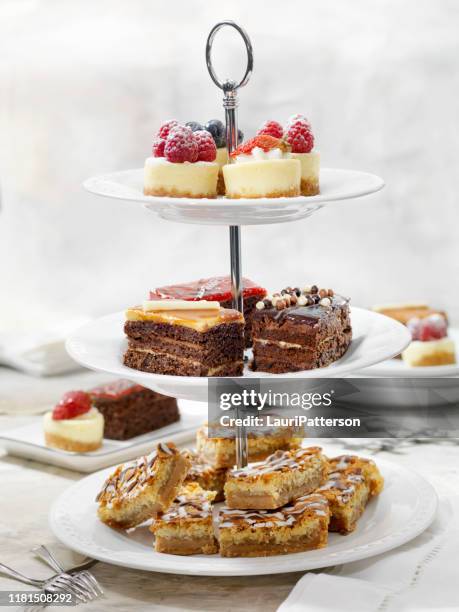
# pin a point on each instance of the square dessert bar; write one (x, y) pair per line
(278, 480)
(207, 476)
(369, 469)
(217, 288)
(198, 339)
(221, 452)
(300, 330)
(131, 410)
(138, 490)
(301, 526)
(187, 527)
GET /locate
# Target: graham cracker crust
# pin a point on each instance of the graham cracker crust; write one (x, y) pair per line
(66, 444)
(310, 187)
(175, 193)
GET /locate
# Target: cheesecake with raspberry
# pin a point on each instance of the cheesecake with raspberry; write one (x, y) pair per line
(298, 134)
(262, 167)
(183, 163)
(74, 424)
(431, 345)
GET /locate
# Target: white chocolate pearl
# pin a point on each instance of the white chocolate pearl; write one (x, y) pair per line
(307, 289)
(325, 301)
(259, 305)
(302, 301)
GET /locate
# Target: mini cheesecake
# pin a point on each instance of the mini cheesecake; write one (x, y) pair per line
(310, 168)
(262, 168)
(430, 353)
(180, 180)
(74, 424)
(222, 160)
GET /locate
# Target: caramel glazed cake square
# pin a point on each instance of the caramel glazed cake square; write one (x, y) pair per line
(352, 482)
(278, 480)
(206, 475)
(138, 490)
(201, 341)
(221, 452)
(187, 526)
(301, 526)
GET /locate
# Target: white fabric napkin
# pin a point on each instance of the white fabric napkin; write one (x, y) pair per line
(39, 353)
(419, 576)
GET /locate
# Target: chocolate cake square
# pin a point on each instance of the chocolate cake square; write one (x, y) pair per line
(300, 330)
(198, 339)
(130, 410)
(217, 288)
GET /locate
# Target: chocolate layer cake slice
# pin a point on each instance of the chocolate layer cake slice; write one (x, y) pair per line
(131, 410)
(300, 330)
(184, 338)
(217, 288)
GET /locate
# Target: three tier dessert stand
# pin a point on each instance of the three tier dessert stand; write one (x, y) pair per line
(99, 345)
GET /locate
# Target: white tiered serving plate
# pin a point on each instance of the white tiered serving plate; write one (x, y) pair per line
(335, 185)
(404, 509)
(99, 345)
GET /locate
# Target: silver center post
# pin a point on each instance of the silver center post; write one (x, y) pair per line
(230, 103)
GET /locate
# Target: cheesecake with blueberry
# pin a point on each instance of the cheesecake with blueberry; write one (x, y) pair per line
(182, 164)
(298, 134)
(74, 424)
(262, 167)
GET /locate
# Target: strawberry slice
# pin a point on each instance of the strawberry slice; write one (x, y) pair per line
(72, 405)
(262, 141)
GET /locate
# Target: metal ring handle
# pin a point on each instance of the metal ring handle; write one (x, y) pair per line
(227, 84)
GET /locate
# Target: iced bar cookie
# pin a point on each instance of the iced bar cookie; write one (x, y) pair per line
(138, 490)
(221, 452)
(301, 526)
(206, 475)
(186, 528)
(369, 469)
(278, 480)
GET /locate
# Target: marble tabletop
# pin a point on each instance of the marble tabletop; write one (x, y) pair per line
(29, 489)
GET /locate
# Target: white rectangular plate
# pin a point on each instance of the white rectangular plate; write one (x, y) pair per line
(28, 441)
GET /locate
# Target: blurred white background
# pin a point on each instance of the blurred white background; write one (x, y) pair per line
(84, 86)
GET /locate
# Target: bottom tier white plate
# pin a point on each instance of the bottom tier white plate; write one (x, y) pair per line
(28, 441)
(404, 509)
(100, 345)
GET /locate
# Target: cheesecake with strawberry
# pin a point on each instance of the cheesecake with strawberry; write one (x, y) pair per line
(74, 424)
(262, 167)
(183, 163)
(297, 133)
(431, 345)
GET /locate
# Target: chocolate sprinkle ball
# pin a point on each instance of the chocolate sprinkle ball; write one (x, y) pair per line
(308, 296)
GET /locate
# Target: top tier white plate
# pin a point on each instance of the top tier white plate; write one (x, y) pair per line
(335, 185)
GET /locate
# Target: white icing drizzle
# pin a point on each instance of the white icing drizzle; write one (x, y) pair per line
(278, 462)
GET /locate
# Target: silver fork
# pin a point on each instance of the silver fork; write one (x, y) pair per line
(60, 583)
(83, 578)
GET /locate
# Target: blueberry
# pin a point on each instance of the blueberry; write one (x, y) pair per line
(194, 126)
(217, 129)
(240, 137)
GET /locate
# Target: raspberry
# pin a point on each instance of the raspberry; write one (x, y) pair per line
(263, 141)
(296, 119)
(207, 151)
(181, 145)
(158, 147)
(72, 405)
(164, 130)
(300, 138)
(433, 327)
(271, 128)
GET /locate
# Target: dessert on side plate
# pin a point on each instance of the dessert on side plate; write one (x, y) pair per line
(186, 528)
(262, 167)
(276, 481)
(74, 424)
(298, 330)
(298, 527)
(185, 338)
(183, 163)
(131, 410)
(431, 345)
(138, 490)
(221, 452)
(298, 134)
(218, 289)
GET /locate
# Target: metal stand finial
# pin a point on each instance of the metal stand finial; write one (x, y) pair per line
(230, 104)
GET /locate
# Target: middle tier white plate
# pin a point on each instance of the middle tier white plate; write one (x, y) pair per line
(100, 344)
